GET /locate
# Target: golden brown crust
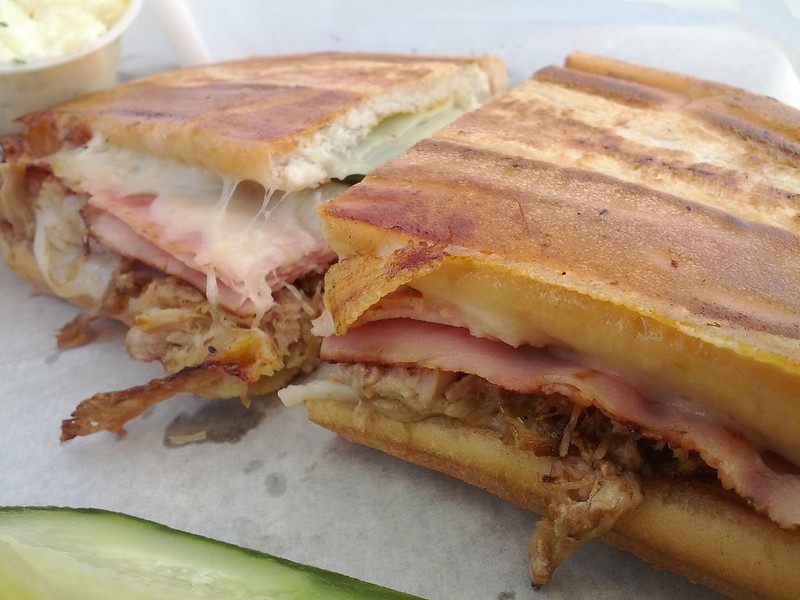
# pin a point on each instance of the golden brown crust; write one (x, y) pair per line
(698, 531)
(644, 235)
(516, 208)
(677, 83)
(760, 118)
(240, 117)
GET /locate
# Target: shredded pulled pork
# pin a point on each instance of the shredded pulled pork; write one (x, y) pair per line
(597, 461)
(594, 497)
(204, 351)
(768, 482)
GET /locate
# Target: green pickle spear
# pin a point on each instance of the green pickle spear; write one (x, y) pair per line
(64, 553)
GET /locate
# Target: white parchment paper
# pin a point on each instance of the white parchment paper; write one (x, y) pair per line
(288, 487)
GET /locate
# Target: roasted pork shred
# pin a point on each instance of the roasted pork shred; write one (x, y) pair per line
(597, 462)
(203, 350)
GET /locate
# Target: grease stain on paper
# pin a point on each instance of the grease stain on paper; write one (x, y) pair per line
(276, 484)
(253, 465)
(222, 421)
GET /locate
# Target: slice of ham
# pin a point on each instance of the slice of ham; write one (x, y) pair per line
(767, 481)
(135, 235)
(117, 236)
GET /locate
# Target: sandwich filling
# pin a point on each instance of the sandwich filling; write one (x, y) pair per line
(602, 433)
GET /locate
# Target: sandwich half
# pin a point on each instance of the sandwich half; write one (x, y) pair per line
(584, 297)
(184, 205)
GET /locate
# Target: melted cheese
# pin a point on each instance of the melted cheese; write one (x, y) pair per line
(392, 136)
(361, 140)
(236, 233)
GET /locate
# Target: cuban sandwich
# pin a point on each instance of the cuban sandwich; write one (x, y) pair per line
(183, 205)
(584, 297)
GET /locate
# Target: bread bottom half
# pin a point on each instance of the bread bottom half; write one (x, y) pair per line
(697, 530)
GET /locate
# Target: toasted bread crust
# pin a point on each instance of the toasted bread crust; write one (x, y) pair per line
(760, 118)
(693, 529)
(247, 117)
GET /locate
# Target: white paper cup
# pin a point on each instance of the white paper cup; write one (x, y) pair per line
(44, 83)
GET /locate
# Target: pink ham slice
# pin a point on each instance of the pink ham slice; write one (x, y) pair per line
(771, 485)
(117, 236)
(128, 226)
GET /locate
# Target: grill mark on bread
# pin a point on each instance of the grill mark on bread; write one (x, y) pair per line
(605, 228)
(685, 85)
(257, 118)
(730, 172)
(761, 111)
(626, 92)
(758, 119)
(225, 108)
(410, 258)
(751, 130)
